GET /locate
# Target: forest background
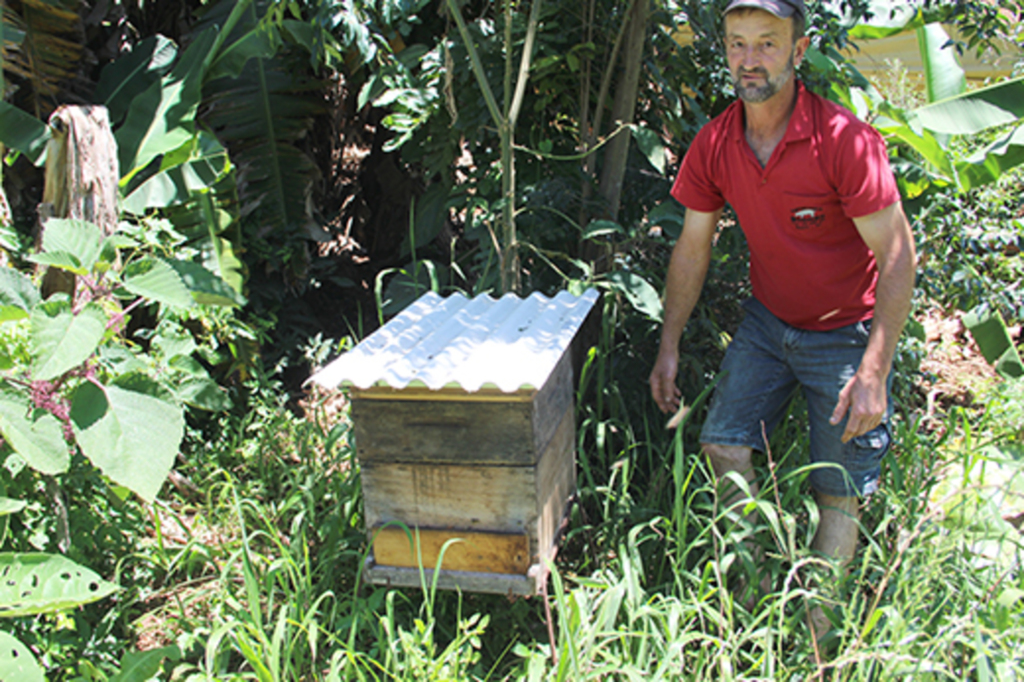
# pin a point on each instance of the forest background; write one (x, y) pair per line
(290, 174)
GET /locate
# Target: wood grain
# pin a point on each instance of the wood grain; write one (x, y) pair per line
(471, 551)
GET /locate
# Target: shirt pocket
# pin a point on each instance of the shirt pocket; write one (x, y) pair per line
(811, 217)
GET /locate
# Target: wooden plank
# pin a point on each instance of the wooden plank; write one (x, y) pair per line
(556, 482)
(473, 551)
(475, 498)
(554, 398)
(494, 583)
(444, 432)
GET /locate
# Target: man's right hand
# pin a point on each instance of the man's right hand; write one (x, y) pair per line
(663, 382)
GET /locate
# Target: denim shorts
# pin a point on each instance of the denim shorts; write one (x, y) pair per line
(765, 363)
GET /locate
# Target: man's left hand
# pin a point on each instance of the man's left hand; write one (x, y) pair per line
(864, 397)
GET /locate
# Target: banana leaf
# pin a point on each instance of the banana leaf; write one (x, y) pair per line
(943, 76)
(133, 73)
(972, 112)
(162, 119)
(262, 117)
(46, 49)
(24, 132)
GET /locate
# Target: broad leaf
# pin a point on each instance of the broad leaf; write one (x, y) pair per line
(206, 287)
(263, 116)
(132, 437)
(157, 281)
(60, 340)
(75, 245)
(162, 118)
(36, 435)
(889, 18)
(133, 73)
(989, 164)
(173, 343)
(17, 661)
(638, 292)
(188, 365)
(11, 506)
(17, 295)
(203, 393)
(260, 42)
(974, 111)
(652, 147)
(205, 165)
(989, 330)
(36, 583)
(599, 228)
(142, 666)
(24, 132)
(943, 76)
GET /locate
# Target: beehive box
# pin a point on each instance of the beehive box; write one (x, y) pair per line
(463, 411)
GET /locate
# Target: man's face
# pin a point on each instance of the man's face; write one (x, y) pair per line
(761, 53)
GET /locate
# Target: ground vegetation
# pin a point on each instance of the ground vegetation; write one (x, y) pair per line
(293, 173)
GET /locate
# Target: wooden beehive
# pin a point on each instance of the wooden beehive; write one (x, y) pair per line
(463, 411)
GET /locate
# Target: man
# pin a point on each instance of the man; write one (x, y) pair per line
(831, 263)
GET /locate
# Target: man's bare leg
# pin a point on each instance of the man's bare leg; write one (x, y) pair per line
(732, 458)
(836, 538)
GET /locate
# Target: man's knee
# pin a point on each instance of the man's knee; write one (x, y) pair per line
(726, 458)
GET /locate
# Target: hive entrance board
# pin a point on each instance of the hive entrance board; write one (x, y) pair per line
(463, 412)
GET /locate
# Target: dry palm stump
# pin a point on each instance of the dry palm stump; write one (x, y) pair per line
(463, 411)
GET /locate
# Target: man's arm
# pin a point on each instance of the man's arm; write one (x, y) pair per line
(686, 272)
(888, 235)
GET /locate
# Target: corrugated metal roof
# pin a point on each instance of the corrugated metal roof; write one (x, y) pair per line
(508, 343)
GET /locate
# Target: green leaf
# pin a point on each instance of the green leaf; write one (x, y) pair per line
(36, 583)
(17, 295)
(598, 228)
(24, 132)
(260, 42)
(174, 342)
(896, 123)
(652, 147)
(157, 281)
(131, 74)
(59, 340)
(205, 164)
(162, 118)
(10, 506)
(203, 393)
(17, 662)
(943, 75)
(36, 435)
(989, 164)
(973, 111)
(73, 245)
(989, 330)
(188, 365)
(206, 287)
(638, 292)
(888, 19)
(132, 437)
(142, 666)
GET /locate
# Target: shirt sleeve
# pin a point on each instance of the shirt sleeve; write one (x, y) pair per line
(866, 181)
(694, 187)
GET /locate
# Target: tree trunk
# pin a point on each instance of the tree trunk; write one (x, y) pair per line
(81, 179)
(624, 108)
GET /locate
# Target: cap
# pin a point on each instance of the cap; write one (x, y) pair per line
(783, 9)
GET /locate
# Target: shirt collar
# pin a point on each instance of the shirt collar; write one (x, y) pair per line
(800, 126)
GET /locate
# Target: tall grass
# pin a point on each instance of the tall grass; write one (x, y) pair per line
(649, 582)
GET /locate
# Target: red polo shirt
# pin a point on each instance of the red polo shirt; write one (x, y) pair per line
(808, 263)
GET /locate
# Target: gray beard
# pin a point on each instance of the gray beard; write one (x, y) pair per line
(758, 94)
